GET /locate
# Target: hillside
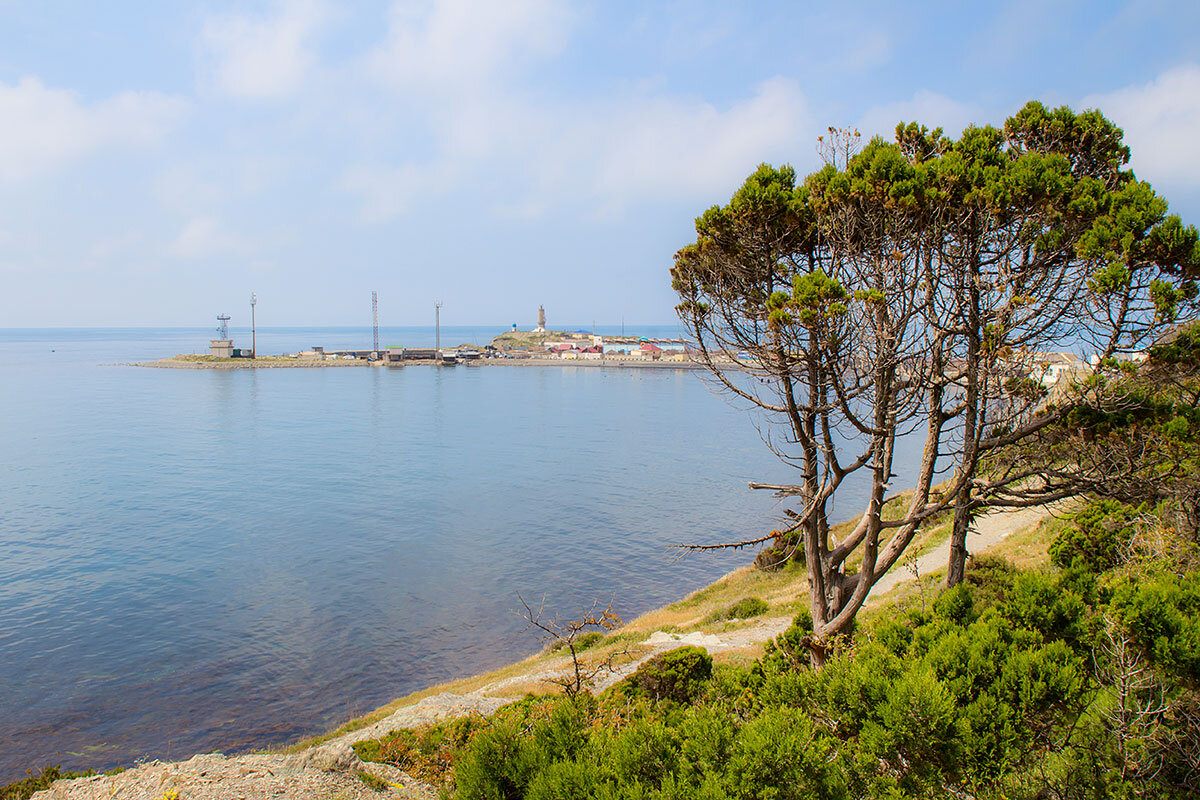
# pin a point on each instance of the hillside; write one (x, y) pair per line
(514, 340)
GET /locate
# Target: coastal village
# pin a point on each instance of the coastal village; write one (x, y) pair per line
(538, 345)
(543, 346)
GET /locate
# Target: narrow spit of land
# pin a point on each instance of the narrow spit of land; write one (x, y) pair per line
(327, 766)
(287, 362)
(197, 361)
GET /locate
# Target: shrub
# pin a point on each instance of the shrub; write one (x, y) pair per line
(425, 753)
(585, 641)
(1096, 537)
(956, 605)
(1162, 615)
(707, 739)
(1039, 602)
(564, 732)
(919, 725)
(781, 755)
(990, 578)
(565, 779)
(24, 789)
(372, 781)
(746, 608)
(497, 764)
(645, 752)
(678, 675)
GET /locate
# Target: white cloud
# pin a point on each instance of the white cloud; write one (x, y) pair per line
(263, 57)
(203, 237)
(867, 49)
(1161, 120)
(928, 108)
(113, 245)
(435, 43)
(386, 192)
(456, 71)
(44, 128)
(603, 154)
(670, 148)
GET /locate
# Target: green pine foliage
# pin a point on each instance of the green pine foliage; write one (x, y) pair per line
(678, 675)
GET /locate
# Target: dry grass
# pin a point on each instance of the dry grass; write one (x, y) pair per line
(1029, 549)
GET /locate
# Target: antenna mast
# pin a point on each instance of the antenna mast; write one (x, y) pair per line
(375, 319)
(437, 327)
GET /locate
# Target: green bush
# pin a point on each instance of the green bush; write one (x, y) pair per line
(746, 608)
(24, 788)
(956, 605)
(498, 763)
(1162, 615)
(585, 641)
(782, 756)
(678, 675)
(1039, 602)
(707, 739)
(1096, 538)
(372, 781)
(990, 578)
(645, 752)
(565, 779)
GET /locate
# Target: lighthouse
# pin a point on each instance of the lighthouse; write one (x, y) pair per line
(541, 328)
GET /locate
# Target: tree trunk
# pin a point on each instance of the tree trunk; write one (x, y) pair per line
(958, 538)
(957, 567)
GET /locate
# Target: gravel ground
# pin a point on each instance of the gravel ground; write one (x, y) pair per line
(330, 771)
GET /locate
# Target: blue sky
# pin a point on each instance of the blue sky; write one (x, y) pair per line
(158, 162)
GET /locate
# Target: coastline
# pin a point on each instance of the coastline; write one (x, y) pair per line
(1013, 533)
(327, 765)
(176, 362)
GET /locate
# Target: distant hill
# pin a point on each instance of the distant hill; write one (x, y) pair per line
(512, 340)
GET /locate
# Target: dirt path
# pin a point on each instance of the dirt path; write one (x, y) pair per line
(987, 532)
(331, 770)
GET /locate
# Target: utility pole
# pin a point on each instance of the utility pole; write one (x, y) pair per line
(253, 330)
(437, 328)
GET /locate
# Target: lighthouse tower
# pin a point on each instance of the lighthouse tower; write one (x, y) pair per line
(541, 328)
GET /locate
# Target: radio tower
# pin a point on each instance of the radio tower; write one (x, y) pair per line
(437, 328)
(375, 319)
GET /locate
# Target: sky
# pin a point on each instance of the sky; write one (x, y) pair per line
(161, 161)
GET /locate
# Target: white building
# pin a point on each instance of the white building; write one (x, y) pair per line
(1050, 368)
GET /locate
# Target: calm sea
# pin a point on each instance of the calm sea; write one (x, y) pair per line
(195, 560)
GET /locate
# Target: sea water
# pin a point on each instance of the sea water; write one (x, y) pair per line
(198, 560)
